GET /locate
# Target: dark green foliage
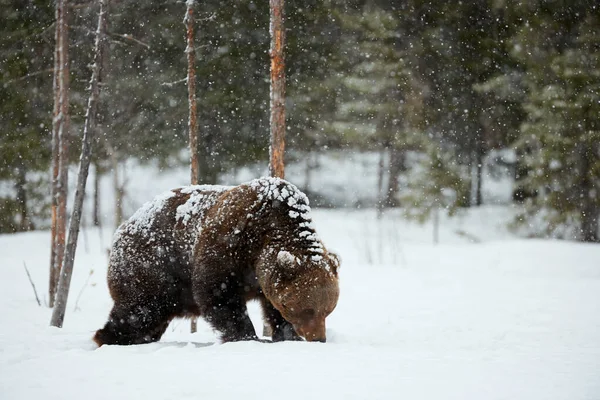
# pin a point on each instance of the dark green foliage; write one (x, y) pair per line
(560, 139)
(26, 51)
(437, 183)
(452, 80)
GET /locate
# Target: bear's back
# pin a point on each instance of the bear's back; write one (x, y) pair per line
(167, 224)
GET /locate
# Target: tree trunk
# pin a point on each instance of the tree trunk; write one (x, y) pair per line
(589, 222)
(277, 121)
(479, 156)
(396, 165)
(208, 169)
(62, 294)
(118, 188)
(311, 164)
(589, 210)
(96, 210)
(60, 144)
(24, 224)
(191, 84)
(192, 120)
(380, 173)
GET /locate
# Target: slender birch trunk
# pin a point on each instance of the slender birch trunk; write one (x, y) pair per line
(62, 294)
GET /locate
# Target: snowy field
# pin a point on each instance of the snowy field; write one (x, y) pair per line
(503, 318)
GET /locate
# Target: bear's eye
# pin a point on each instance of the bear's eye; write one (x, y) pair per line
(308, 313)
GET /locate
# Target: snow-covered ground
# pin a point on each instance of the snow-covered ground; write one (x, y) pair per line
(502, 318)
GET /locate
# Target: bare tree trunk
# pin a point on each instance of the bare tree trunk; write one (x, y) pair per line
(479, 155)
(96, 210)
(277, 122)
(396, 165)
(191, 84)
(192, 120)
(62, 294)
(311, 164)
(60, 143)
(118, 188)
(25, 223)
(588, 209)
(208, 167)
(380, 172)
(436, 225)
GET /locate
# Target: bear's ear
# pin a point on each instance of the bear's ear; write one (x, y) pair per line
(336, 260)
(287, 260)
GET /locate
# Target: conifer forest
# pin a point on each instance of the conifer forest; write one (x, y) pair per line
(438, 89)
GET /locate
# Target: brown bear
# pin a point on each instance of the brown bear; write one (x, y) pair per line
(207, 250)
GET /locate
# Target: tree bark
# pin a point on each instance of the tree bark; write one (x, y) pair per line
(60, 146)
(588, 208)
(58, 313)
(25, 223)
(191, 84)
(479, 155)
(96, 210)
(396, 165)
(380, 172)
(192, 117)
(118, 188)
(208, 167)
(277, 121)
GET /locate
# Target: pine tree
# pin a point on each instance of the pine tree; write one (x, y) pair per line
(25, 109)
(561, 136)
(379, 97)
(437, 183)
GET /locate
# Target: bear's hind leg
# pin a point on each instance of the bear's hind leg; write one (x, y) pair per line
(135, 324)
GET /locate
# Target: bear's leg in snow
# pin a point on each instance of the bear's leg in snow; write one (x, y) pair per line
(229, 316)
(282, 330)
(135, 324)
(223, 305)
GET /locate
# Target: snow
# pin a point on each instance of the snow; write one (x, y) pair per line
(503, 318)
(269, 188)
(143, 218)
(198, 196)
(287, 258)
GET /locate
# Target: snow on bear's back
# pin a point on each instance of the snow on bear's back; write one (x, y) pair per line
(298, 210)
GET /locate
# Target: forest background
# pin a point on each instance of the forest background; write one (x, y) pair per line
(438, 89)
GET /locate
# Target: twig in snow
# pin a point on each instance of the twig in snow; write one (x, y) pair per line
(469, 236)
(82, 289)
(32, 285)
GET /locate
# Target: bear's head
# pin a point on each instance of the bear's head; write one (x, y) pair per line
(304, 289)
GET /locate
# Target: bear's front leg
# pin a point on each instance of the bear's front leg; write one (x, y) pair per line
(282, 330)
(223, 305)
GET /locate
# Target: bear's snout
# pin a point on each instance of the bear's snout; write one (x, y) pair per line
(313, 330)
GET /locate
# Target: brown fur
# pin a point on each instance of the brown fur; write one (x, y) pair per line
(222, 248)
